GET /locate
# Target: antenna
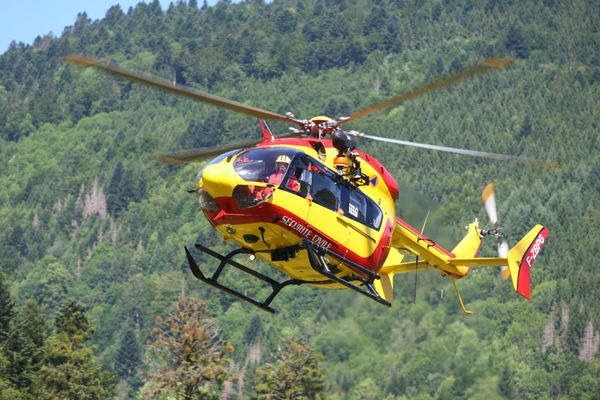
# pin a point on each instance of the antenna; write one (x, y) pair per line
(417, 261)
(425, 222)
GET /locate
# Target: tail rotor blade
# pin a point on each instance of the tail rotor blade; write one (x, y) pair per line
(489, 201)
(503, 253)
(503, 249)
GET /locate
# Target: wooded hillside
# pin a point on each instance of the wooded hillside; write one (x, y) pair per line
(91, 249)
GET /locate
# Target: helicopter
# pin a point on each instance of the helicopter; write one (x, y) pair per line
(318, 209)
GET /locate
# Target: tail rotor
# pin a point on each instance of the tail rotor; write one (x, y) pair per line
(489, 201)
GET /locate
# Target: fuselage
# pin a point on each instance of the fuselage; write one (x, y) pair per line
(241, 198)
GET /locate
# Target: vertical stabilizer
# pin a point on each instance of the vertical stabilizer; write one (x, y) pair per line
(468, 247)
(522, 256)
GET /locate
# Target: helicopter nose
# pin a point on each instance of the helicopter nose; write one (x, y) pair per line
(209, 186)
(216, 180)
(208, 177)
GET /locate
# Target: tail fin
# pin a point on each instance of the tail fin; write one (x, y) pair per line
(385, 285)
(469, 246)
(522, 256)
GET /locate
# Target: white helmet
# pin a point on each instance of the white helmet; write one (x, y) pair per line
(283, 159)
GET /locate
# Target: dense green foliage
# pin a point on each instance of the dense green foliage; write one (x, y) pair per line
(35, 365)
(87, 213)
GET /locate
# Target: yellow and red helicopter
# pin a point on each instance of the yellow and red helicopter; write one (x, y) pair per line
(321, 211)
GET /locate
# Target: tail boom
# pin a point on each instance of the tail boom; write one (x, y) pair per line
(457, 264)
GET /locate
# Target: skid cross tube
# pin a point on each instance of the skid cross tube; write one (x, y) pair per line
(226, 259)
(316, 256)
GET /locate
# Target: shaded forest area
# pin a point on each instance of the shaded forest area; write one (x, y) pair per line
(93, 270)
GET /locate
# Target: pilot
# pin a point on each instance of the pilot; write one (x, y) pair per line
(282, 163)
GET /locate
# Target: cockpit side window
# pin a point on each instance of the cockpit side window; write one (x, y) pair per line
(359, 207)
(299, 177)
(307, 177)
(324, 189)
(316, 180)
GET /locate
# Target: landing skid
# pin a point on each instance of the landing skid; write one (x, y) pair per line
(317, 261)
(213, 281)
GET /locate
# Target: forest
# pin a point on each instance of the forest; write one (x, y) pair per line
(96, 298)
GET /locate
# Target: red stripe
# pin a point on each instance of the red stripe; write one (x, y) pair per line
(270, 213)
(421, 236)
(523, 280)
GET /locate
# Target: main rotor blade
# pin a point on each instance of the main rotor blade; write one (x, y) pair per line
(455, 150)
(480, 68)
(180, 157)
(200, 153)
(178, 89)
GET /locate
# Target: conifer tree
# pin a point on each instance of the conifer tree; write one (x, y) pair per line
(7, 390)
(128, 355)
(515, 41)
(254, 330)
(25, 347)
(71, 372)
(6, 308)
(115, 198)
(186, 357)
(72, 321)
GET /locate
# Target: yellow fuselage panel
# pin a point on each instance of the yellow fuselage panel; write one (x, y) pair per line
(276, 237)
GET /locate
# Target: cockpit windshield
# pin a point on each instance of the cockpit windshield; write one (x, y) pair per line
(264, 164)
(215, 161)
